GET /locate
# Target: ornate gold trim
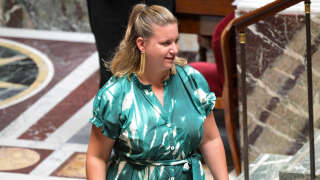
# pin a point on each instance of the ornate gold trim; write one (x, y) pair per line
(242, 37)
(307, 7)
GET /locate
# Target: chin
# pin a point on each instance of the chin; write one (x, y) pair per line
(168, 66)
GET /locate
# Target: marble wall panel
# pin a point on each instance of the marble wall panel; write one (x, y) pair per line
(60, 15)
(277, 83)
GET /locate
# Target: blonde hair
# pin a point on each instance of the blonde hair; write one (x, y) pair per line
(127, 57)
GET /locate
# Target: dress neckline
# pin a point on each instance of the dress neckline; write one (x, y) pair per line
(148, 86)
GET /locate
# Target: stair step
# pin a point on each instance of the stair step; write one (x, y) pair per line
(298, 167)
(266, 167)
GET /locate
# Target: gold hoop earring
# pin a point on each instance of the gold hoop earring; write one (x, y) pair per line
(142, 63)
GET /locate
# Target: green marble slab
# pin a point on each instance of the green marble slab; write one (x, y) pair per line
(266, 167)
(299, 166)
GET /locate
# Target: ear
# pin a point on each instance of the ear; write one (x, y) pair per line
(141, 44)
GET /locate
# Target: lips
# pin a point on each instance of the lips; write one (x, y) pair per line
(170, 58)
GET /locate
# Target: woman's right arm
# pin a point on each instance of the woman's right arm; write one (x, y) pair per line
(99, 150)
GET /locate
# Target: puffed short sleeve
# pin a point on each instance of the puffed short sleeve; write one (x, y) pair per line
(201, 90)
(107, 112)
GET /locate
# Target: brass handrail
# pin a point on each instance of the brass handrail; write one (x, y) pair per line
(240, 24)
(263, 12)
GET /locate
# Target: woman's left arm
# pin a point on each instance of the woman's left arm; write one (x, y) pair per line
(212, 149)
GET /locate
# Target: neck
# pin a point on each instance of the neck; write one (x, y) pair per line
(154, 78)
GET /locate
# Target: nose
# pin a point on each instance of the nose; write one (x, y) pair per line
(174, 48)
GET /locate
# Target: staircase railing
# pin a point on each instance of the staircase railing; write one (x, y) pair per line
(240, 24)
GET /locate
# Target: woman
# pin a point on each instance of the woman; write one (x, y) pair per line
(156, 111)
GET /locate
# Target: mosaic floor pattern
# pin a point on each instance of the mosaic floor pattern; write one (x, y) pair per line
(41, 79)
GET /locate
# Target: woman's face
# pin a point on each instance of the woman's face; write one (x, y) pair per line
(162, 47)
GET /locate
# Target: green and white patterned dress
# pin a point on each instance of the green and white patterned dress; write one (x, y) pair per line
(154, 141)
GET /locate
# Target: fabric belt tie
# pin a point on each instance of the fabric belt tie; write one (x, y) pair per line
(193, 160)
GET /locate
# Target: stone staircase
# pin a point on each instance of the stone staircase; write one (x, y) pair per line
(282, 167)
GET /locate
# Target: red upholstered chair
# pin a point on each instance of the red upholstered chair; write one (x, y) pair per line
(221, 79)
(211, 74)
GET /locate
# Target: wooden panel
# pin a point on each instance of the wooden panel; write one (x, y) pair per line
(189, 24)
(202, 25)
(204, 7)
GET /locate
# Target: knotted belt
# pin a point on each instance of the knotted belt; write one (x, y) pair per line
(193, 160)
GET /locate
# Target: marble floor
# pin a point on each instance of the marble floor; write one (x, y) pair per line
(44, 127)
